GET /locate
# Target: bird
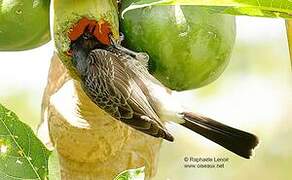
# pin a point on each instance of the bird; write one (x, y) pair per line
(117, 80)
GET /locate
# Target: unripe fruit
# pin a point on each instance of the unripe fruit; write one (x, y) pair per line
(24, 24)
(188, 46)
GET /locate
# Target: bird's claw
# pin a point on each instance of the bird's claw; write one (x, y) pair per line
(122, 37)
(141, 56)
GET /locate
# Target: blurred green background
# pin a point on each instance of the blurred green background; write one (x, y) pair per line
(254, 94)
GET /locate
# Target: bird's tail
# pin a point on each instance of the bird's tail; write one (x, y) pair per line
(239, 142)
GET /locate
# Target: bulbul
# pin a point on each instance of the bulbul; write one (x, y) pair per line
(117, 80)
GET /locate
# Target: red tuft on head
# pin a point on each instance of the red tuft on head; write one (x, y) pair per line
(101, 30)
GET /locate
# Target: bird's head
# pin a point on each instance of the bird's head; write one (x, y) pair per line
(85, 42)
(86, 36)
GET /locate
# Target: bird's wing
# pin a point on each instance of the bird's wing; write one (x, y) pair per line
(140, 74)
(111, 86)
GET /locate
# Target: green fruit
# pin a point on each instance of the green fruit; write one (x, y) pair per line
(24, 24)
(67, 14)
(188, 46)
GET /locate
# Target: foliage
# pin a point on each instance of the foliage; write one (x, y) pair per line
(263, 8)
(22, 155)
(131, 174)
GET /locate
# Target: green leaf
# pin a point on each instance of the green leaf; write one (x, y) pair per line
(22, 155)
(54, 167)
(262, 8)
(131, 174)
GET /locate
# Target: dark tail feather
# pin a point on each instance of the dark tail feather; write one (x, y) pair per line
(237, 141)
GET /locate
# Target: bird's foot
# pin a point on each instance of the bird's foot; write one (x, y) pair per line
(122, 38)
(141, 56)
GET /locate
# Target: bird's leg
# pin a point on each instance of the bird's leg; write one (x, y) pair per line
(141, 56)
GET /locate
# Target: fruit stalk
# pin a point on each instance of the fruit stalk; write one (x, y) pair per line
(90, 144)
